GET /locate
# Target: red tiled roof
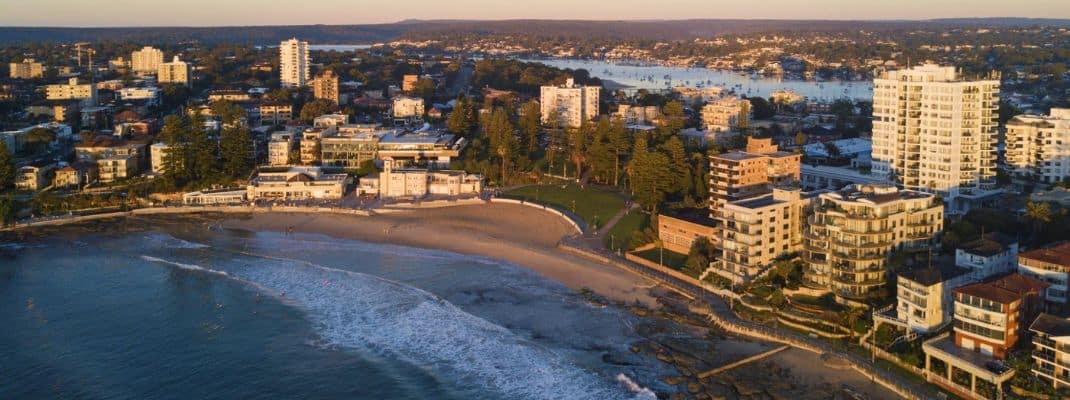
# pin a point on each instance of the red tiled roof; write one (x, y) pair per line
(1058, 254)
(1005, 289)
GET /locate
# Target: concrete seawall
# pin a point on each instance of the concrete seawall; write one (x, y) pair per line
(63, 220)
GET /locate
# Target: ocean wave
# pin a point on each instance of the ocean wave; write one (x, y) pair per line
(631, 386)
(173, 242)
(360, 311)
(190, 267)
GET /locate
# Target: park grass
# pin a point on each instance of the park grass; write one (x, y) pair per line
(620, 235)
(593, 205)
(673, 259)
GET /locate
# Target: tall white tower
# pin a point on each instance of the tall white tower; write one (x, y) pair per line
(935, 131)
(293, 63)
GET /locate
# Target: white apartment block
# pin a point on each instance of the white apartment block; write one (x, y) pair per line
(639, 115)
(279, 149)
(27, 69)
(754, 232)
(149, 93)
(1051, 265)
(934, 130)
(408, 107)
(990, 255)
(574, 104)
(725, 113)
(176, 71)
(146, 61)
(1038, 147)
(293, 62)
(72, 90)
(924, 297)
(1051, 350)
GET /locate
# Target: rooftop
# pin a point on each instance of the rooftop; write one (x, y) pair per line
(1004, 289)
(1058, 254)
(876, 193)
(1051, 325)
(989, 245)
(929, 276)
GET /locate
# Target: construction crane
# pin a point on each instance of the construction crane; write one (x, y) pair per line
(78, 50)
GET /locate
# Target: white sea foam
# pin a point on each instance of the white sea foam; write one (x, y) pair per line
(190, 267)
(354, 310)
(631, 386)
(175, 243)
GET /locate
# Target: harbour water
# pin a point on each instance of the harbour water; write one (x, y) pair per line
(666, 77)
(231, 314)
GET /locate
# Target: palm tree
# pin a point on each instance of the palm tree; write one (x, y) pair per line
(1038, 213)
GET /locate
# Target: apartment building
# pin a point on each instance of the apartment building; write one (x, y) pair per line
(934, 130)
(786, 97)
(296, 183)
(637, 115)
(853, 231)
(116, 167)
(293, 62)
(408, 107)
(924, 295)
(72, 90)
(272, 113)
(1051, 265)
(754, 232)
(573, 104)
(436, 150)
(146, 61)
(75, 175)
(1038, 147)
(740, 175)
(989, 319)
(34, 177)
(311, 140)
(325, 86)
(175, 72)
(725, 114)
(330, 120)
(279, 148)
(408, 82)
(27, 69)
(149, 94)
(1051, 350)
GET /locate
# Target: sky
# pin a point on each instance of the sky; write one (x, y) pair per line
(336, 12)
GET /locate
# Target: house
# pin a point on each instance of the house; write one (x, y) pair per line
(34, 177)
(992, 254)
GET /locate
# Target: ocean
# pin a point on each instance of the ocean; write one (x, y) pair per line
(229, 314)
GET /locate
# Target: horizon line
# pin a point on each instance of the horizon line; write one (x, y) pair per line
(640, 20)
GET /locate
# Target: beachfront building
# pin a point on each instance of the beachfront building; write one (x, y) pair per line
(146, 61)
(434, 149)
(72, 90)
(115, 167)
(293, 63)
(1051, 350)
(75, 175)
(279, 148)
(396, 182)
(1051, 265)
(325, 86)
(215, 197)
(725, 114)
(276, 113)
(934, 130)
(407, 107)
(310, 143)
(740, 175)
(296, 183)
(755, 231)
(572, 103)
(1038, 147)
(989, 319)
(158, 157)
(349, 151)
(924, 296)
(27, 69)
(175, 72)
(852, 232)
(992, 254)
(678, 231)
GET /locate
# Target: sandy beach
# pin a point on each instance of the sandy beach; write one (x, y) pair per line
(514, 233)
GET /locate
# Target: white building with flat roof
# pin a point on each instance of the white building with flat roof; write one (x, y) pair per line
(146, 61)
(296, 183)
(934, 130)
(72, 90)
(408, 107)
(176, 71)
(1038, 147)
(293, 62)
(574, 104)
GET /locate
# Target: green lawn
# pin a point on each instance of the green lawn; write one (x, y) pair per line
(672, 259)
(620, 236)
(594, 206)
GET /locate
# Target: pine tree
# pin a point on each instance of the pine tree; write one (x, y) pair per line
(236, 149)
(7, 167)
(529, 125)
(679, 165)
(175, 134)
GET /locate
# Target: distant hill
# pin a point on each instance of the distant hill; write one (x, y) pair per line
(420, 29)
